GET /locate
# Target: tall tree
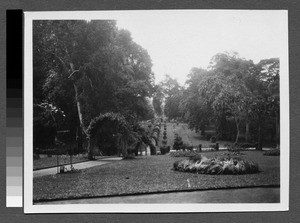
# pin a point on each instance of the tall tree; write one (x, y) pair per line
(173, 94)
(92, 67)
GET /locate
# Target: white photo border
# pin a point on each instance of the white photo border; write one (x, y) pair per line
(29, 207)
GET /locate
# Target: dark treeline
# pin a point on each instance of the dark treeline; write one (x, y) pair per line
(234, 99)
(82, 69)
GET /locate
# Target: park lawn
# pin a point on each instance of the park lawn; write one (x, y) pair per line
(189, 137)
(149, 174)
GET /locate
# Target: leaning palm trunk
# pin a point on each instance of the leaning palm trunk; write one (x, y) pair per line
(71, 74)
(89, 146)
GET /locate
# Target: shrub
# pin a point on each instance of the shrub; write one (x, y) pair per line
(214, 146)
(165, 133)
(190, 148)
(246, 145)
(208, 136)
(152, 149)
(273, 152)
(178, 143)
(213, 139)
(164, 142)
(234, 147)
(165, 137)
(164, 149)
(184, 147)
(217, 165)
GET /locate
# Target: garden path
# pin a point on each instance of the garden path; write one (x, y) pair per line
(78, 166)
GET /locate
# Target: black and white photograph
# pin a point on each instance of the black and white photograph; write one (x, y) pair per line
(156, 111)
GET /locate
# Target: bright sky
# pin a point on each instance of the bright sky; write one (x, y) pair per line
(179, 40)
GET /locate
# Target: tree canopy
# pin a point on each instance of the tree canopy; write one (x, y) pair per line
(90, 67)
(233, 90)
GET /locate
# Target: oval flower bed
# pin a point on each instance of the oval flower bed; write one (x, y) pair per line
(216, 165)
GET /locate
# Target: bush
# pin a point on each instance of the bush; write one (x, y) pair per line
(165, 133)
(178, 143)
(214, 146)
(164, 142)
(217, 165)
(164, 149)
(183, 147)
(164, 137)
(190, 148)
(234, 147)
(273, 152)
(208, 136)
(246, 145)
(213, 139)
(152, 149)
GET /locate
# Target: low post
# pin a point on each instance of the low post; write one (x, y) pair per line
(57, 162)
(217, 146)
(200, 147)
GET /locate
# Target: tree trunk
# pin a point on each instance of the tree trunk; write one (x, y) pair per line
(119, 144)
(90, 149)
(124, 148)
(260, 137)
(247, 136)
(237, 122)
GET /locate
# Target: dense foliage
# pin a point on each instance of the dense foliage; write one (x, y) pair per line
(233, 99)
(85, 68)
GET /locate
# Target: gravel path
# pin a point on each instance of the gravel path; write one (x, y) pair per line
(78, 166)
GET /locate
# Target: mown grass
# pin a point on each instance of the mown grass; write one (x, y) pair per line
(149, 174)
(192, 138)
